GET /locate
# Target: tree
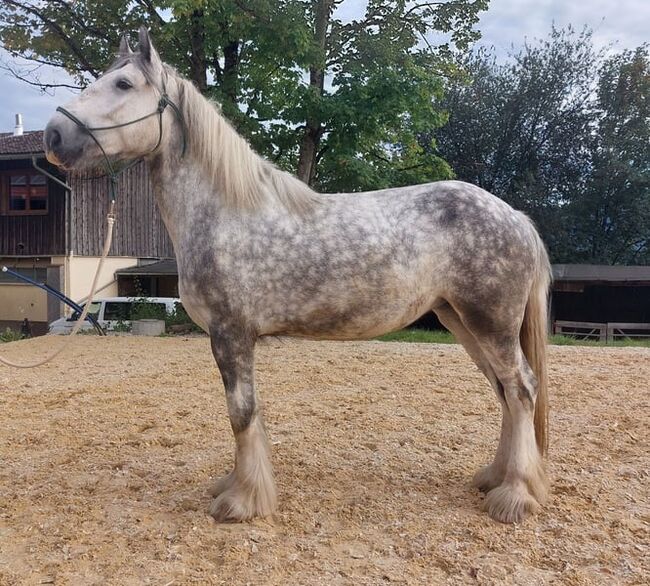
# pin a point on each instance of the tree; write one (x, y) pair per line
(539, 132)
(340, 102)
(612, 219)
(385, 84)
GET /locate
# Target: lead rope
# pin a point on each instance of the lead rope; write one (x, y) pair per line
(110, 221)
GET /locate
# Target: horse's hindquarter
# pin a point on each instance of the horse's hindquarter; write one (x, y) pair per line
(356, 266)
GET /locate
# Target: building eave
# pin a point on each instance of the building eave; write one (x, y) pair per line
(19, 156)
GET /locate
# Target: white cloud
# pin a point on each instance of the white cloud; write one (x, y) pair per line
(512, 22)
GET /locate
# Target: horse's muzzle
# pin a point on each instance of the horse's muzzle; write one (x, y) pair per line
(63, 142)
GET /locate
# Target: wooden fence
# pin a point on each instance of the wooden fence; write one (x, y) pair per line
(604, 332)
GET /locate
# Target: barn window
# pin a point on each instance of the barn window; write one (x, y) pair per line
(25, 193)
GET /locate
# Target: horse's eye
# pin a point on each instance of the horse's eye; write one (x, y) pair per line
(124, 84)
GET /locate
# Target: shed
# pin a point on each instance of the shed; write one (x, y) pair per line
(55, 236)
(154, 278)
(599, 293)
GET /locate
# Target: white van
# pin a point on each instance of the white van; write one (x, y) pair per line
(112, 311)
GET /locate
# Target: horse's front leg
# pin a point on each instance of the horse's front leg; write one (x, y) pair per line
(249, 490)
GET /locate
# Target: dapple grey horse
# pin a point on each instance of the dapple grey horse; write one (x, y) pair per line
(261, 254)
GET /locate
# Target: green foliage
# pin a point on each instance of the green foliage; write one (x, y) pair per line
(10, 335)
(561, 340)
(560, 132)
(385, 91)
(80, 37)
(142, 308)
(363, 90)
(179, 317)
(612, 216)
(122, 326)
(416, 335)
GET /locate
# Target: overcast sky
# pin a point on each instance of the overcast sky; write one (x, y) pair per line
(506, 23)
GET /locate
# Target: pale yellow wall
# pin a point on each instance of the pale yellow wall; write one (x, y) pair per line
(25, 301)
(81, 270)
(18, 302)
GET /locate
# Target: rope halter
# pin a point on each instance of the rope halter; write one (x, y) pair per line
(163, 102)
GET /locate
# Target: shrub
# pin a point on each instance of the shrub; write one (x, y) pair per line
(10, 335)
(178, 318)
(142, 308)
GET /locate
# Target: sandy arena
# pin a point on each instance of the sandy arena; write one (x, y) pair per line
(107, 455)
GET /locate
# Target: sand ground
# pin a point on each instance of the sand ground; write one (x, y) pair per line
(108, 452)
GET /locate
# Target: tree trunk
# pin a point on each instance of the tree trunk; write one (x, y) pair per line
(313, 126)
(231, 72)
(198, 65)
(308, 148)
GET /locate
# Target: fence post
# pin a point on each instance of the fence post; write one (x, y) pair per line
(603, 333)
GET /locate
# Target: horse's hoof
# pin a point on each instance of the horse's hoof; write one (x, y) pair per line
(228, 508)
(231, 506)
(488, 478)
(510, 503)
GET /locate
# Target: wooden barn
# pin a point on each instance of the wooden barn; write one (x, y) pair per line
(601, 302)
(55, 235)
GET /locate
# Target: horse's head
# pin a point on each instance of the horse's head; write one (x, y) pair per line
(130, 89)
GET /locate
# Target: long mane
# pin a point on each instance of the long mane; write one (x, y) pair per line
(242, 178)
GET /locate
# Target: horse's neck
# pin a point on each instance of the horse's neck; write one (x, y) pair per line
(219, 173)
(181, 189)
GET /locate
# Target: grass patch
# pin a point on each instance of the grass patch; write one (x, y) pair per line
(442, 337)
(559, 340)
(419, 336)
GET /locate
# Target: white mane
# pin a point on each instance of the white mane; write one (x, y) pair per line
(243, 179)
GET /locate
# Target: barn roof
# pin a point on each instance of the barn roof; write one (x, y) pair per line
(602, 273)
(154, 269)
(27, 144)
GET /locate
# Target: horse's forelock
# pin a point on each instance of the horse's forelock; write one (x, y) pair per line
(120, 61)
(136, 59)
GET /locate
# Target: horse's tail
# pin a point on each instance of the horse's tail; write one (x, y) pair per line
(533, 339)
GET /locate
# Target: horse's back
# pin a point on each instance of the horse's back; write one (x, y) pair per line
(469, 228)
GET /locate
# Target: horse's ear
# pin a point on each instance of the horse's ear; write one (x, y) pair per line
(147, 50)
(125, 48)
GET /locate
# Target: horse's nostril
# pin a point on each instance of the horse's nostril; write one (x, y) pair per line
(53, 138)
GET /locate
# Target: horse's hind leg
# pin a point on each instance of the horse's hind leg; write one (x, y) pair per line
(492, 475)
(249, 490)
(524, 484)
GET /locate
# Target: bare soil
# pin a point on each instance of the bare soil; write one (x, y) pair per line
(107, 455)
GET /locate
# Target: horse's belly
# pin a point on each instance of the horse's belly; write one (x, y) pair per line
(354, 321)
